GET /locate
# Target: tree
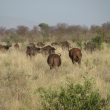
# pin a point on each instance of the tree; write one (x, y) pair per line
(84, 29)
(22, 30)
(106, 29)
(44, 28)
(2, 31)
(35, 31)
(76, 30)
(45, 31)
(10, 32)
(95, 29)
(61, 27)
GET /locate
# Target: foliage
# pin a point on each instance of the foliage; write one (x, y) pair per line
(59, 32)
(2, 31)
(73, 97)
(97, 42)
(43, 26)
(45, 31)
(13, 38)
(22, 30)
(79, 43)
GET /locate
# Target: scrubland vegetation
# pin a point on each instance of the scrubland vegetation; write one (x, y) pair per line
(20, 77)
(29, 84)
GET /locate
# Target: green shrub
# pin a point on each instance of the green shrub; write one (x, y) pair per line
(73, 97)
(97, 42)
(79, 43)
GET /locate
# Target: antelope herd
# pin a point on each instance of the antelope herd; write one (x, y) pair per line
(53, 59)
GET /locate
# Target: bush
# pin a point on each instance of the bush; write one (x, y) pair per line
(73, 97)
(97, 42)
(79, 43)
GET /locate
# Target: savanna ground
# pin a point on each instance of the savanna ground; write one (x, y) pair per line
(20, 76)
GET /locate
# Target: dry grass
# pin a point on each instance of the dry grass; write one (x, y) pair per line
(21, 76)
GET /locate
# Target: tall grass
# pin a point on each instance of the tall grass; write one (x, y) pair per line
(21, 76)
